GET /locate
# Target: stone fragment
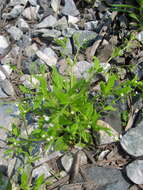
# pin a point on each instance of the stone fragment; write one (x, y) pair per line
(48, 56)
(81, 68)
(135, 171)
(15, 32)
(31, 13)
(55, 4)
(33, 2)
(91, 25)
(4, 46)
(23, 25)
(107, 178)
(43, 169)
(49, 21)
(31, 50)
(139, 36)
(29, 81)
(83, 37)
(70, 8)
(7, 87)
(61, 23)
(72, 19)
(2, 76)
(14, 13)
(67, 161)
(132, 141)
(47, 33)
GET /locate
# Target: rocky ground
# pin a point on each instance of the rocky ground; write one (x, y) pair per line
(28, 29)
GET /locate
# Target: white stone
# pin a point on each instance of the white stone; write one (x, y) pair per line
(55, 4)
(31, 13)
(7, 69)
(135, 171)
(49, 21)
(29, 81)
(23, 25)
(3, 42)
(2, 76)
(48, 56)
(72, 19)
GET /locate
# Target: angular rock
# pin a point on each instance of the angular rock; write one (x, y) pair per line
(23, 25)
(70, 8)
(14, 13)
(55, 4)
(61, 23)
(109, 178)
(31, 13)
(15, 32)
(135, 171)
(29, 81)
(72, 19)
(47, 33)
(132, 141)
(48, 56)
(67, 161)
(109, 136)
(139, 36)
(80, 69)
(4, 46)
(83, 37)
(92, 25)
(49, 21)
(7, 87)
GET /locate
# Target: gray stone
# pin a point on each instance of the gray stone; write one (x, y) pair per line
(135, 171)
(43, 169)
(49, 21)
(55, 4)
(67, 161)
(92, 25)
(15, 32)
(4, 46)
(48, 56)
(14, 13)
(7, 87)
(132, 141)
(110, 178)
(29, 81)
(72, 19)
(62, 23)
(33, 2)
(139, 36)
(83, 37)
(70, 8)
(31, 13)
(68, 32)
(17, 2)
(47, 33)
(80, 69)
(8, 115)
(23, 25)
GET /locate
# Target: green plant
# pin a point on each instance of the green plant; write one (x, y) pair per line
(134, 10)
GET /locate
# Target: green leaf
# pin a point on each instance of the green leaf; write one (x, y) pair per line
(39, 182)
(109, 108)
(110, 84)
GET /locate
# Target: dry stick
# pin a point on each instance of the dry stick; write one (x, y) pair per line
(101, 35)
(132, 117)
(62, 181)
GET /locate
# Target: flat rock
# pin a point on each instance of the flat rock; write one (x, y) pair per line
(83, 37)
(49, 21)
(132, 141)
(70, 8)
(7, 87)
(134, 171)
(109, 178)
(81, 68)
(15, 32)
(48, 56)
